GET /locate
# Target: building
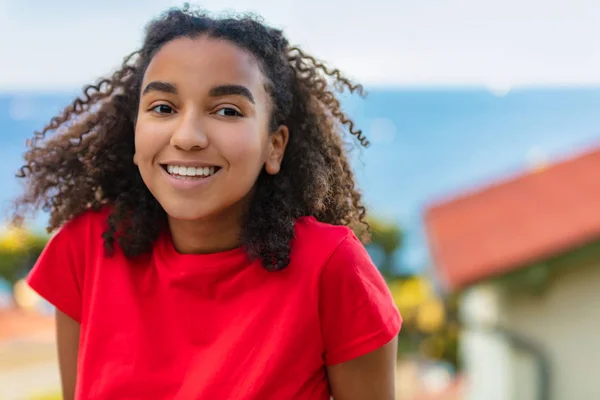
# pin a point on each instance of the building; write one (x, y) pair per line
(525, 252)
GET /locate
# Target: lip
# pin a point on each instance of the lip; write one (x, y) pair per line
(198, 164)
(182, 184)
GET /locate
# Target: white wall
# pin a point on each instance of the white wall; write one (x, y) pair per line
(485, 355)
(565, 320)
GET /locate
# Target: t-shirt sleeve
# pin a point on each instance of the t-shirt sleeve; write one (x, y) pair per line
(57, 275)
(357, 311)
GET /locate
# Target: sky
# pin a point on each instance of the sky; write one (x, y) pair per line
(64, 44)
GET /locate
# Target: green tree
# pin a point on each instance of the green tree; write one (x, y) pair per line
(18, 251)
(387, 236)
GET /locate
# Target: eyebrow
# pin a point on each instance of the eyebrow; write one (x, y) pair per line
(159, 86)
(227, 90)
(217, 91)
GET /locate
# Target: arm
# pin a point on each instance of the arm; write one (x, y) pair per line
(67, 335)
(369, 377)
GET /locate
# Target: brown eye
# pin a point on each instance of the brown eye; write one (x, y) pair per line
(163, 109)
(229, 112)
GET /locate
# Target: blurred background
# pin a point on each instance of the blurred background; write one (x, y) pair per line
(482, 180)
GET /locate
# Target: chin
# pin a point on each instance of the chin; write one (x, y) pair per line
(187, 216)
(185, 212)
(196, 208)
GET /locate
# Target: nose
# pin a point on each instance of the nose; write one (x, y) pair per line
(189, 134)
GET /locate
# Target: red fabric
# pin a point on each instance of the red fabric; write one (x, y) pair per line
(216, 326)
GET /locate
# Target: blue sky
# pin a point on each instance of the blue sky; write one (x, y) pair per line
(62, 44)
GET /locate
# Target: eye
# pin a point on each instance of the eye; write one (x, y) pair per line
(163, 109)
(229, 112)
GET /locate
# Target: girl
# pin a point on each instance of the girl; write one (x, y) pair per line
(203, 201)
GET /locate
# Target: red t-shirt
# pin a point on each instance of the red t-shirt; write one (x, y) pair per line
(215, 326)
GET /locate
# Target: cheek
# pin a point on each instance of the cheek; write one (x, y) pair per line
(148, 141)
(243, 148)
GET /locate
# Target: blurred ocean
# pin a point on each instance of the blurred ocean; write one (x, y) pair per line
(426, 144)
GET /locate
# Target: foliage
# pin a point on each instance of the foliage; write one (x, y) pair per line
(430, 322)
(387, 236)
(19, 248)
(430, 327)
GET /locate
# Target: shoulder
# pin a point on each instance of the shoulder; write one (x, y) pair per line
(317, 236)
(82, 233)
(63, 266)
(356, 309)
(91, 221)
(324, 244)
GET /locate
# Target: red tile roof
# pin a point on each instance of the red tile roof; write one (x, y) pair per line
(516, 222)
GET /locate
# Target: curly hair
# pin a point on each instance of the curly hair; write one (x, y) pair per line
(87, 162)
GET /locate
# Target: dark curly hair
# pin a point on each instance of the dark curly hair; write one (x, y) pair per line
(87, 163)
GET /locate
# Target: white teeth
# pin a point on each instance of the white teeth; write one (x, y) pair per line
(182, 171)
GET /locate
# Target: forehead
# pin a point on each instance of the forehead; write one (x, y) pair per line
(203, 62)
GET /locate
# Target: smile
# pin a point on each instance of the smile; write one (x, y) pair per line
(190, 173)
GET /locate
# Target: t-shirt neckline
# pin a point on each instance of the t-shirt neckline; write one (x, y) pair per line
(224, 260)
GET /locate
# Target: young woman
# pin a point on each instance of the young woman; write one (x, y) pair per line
(205, 212)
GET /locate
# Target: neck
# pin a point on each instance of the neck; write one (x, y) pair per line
(218, 234)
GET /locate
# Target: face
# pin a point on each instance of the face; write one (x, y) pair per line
(202, 133)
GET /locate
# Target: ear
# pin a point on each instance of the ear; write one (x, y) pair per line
(278, 143)
(135, 160)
